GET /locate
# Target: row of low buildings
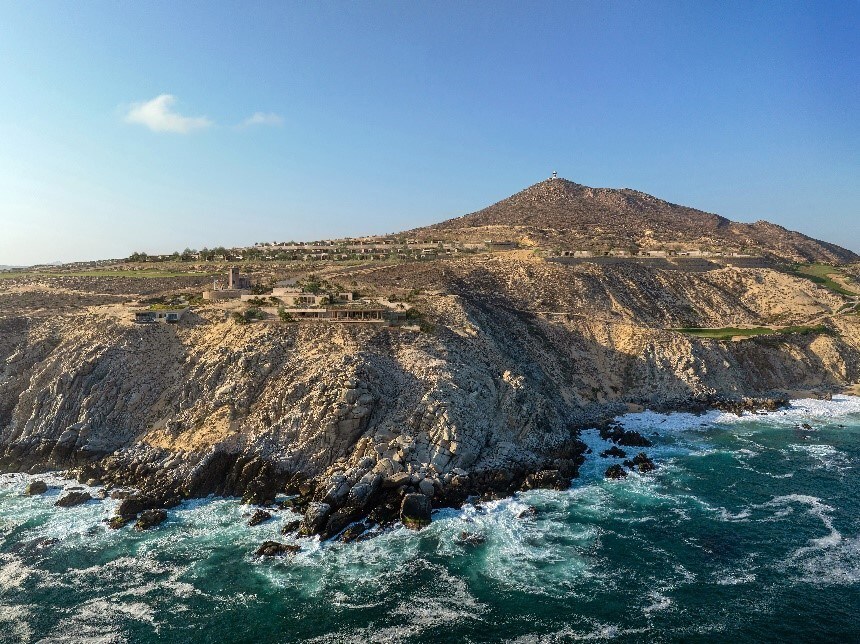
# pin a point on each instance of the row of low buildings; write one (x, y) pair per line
(300, 304)
(620, 252)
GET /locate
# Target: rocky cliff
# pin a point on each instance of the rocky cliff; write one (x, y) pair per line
(513, 358)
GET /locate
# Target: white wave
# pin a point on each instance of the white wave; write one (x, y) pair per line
(826, 456)
(735, 579)
(14, 623)
(800, 411)
(13, 572)
(659, 602)
(652, 421)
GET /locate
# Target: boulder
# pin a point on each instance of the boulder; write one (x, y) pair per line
(426, 488)
(259, 517)
(546, 479)
(415, 511)
(528, 513)
(315, 518)
(274, 549)
(352, 533)
(134, 505)
(629, 438)
(640, 462)
(73, 498)
(117, 522)
(35, 488)
(290, 527)
(614, 451)
(396, 480)
(150, 519)
(471, 538)
(615, 472)
(337, 522)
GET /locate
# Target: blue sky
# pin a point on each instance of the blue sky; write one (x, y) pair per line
(377, 117)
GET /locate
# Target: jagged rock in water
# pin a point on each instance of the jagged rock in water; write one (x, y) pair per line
(274, 549)
(118, 521)
(621, 436)
(73, 498)
(640, 463)
(415, 511)
(615, 472)
(291, 527)
(259, 516)
(315, 519)
(614, 451)
(352, 532)
(528, 513)
(471, 538)
(150, 518)
(546, 479)
(36, 488)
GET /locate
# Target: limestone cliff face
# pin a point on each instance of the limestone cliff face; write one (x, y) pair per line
(516, 356)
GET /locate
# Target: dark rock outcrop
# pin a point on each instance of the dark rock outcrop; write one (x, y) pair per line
(291, 527)
(150, 518)
(73, 498)
(36, 488)
(546, 479)
(118, 521)
(316, 517)
(640, 463)
(415, 511)
(615, 472)
(259, 516)
(274, 549)
(614, 451)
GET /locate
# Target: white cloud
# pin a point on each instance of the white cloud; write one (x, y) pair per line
(262, 118)
(158, 116)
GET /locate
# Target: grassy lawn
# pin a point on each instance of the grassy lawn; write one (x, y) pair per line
(97, 273)
(727, 333)
(821, 274)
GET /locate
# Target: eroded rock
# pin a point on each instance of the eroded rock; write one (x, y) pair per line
(35, 488)
(259, 516)
(150, 518)
(73, 498)
(415, 511)
(275, 549)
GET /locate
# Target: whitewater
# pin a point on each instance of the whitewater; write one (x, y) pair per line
(749, 529)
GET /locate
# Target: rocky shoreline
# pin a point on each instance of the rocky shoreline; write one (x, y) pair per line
(353, 503)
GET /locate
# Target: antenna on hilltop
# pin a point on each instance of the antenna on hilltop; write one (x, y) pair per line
(554, 175)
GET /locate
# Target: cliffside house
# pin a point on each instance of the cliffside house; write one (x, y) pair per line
(165, 316)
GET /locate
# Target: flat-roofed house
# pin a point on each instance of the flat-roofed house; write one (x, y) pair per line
(165, 316)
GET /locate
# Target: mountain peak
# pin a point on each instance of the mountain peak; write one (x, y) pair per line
(559, 214)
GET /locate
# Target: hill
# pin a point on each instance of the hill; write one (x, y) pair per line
(558, 214)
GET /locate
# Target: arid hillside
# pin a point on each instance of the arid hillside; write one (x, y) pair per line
(562, 215)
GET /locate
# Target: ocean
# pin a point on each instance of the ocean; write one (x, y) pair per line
(748, 530)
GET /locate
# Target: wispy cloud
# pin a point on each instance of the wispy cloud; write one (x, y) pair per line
(263, 118)
(159, 116)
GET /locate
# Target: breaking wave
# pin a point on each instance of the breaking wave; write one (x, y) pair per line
(748, 511)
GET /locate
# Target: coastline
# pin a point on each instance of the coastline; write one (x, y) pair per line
(129, 493)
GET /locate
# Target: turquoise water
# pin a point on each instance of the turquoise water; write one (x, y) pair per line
(749, 530)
